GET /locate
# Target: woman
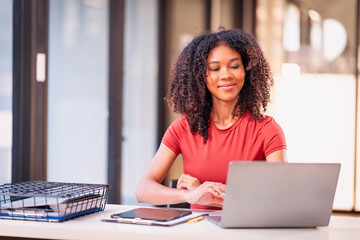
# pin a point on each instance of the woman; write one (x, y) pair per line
(220, 85)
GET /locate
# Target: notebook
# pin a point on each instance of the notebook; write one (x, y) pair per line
(279, 195)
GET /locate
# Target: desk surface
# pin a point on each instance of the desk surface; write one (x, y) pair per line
(90, 227)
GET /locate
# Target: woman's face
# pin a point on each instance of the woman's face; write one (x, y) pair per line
(225, 74)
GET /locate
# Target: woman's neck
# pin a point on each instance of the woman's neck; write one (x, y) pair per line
(222, 116)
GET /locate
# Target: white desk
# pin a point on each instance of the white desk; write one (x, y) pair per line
(90, 227)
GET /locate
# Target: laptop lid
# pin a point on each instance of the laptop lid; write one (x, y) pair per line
(262, 194)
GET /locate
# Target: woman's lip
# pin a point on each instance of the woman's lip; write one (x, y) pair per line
(227, 86)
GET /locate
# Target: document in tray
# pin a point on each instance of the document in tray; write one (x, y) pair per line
(51, 208)
(55, 203)
(154, 216)
(43, 215)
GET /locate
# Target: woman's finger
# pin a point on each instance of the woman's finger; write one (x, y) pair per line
(188, 182)
(206, 194)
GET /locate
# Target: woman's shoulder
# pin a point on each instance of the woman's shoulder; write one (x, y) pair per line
(267, 119)
(180, 124)
(264, 118)
(248, 117)
(174, 134)
(268, 124)
(182, 120)
(264, 122)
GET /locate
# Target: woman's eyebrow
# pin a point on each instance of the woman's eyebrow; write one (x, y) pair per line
(234, 59)
(231, 60)
(213, 62)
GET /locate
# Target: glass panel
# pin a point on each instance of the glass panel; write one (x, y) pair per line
(311, 48)
(78, 95)
(223, 14)
(228, 11)
(140, 93)
(5, 90)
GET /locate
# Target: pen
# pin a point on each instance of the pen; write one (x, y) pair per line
(195, 220)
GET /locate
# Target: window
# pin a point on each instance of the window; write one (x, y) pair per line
(5, 90)
(78, 91)
(140, 113)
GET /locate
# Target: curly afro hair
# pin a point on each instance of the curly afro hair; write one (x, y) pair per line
(188, 93)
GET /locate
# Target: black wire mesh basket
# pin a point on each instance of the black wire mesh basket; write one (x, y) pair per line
(51, 201)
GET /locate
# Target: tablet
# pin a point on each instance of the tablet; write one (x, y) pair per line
(155, 214)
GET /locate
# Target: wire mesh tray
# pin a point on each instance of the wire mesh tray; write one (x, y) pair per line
(51, 201)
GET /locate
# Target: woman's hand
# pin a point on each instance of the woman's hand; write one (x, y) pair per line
(188, 182)
(208, 193)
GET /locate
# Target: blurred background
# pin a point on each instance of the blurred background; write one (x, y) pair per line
(82, 84)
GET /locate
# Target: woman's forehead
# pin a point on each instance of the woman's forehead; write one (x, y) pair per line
(223, 51)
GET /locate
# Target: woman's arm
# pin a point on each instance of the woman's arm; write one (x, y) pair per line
(150, 190)
(277, 156)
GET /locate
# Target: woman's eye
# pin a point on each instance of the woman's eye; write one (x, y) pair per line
(214, 69)
(235, 66)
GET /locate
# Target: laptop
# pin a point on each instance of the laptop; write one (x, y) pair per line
(278, 195)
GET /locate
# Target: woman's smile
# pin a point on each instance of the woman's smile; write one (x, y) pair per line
(227, 87)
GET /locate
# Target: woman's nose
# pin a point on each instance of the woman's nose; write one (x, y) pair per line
(225, 73)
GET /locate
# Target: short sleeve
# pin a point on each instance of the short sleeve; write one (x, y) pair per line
(273, 135)
(173, 135)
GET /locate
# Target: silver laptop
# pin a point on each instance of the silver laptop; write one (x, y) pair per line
(263, 195)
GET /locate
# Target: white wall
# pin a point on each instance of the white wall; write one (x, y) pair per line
(317, 114)
(357, 179)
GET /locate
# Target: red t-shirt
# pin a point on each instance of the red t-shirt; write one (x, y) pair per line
(247, 139)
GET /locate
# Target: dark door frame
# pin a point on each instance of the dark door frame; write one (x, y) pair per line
(30, 37)
(116, 38)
